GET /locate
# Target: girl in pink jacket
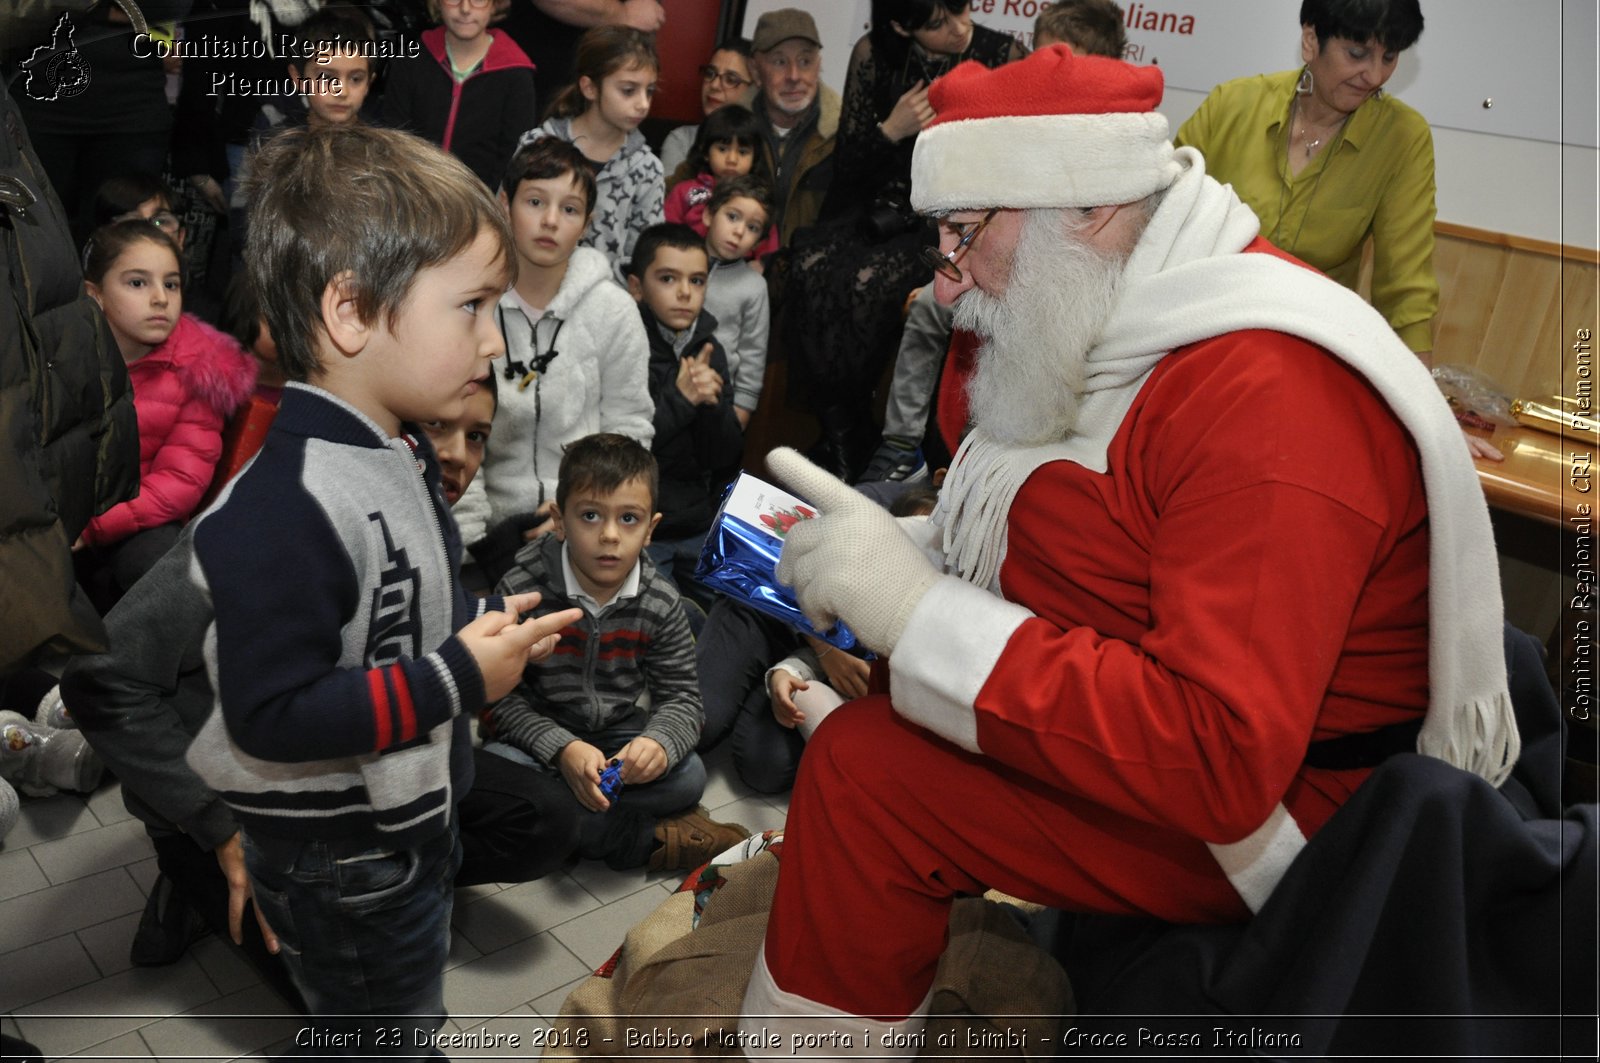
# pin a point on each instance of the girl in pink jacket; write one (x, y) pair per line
(187, 378)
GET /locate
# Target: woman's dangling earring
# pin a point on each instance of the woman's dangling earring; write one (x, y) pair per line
(1304, 86)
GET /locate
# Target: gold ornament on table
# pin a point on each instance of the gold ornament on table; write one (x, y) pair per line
(1559, 416)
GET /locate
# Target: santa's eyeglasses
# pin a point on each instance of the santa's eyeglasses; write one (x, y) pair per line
(944, 262)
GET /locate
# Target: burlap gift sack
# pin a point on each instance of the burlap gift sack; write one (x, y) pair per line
(674, 989)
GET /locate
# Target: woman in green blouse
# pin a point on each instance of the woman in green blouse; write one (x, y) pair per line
(1327, 160)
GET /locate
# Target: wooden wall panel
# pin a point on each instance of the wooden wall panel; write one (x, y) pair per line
(1510, 309)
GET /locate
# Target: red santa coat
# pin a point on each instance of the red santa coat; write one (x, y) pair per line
(1250, 574)
(1241, 581)
(183, 391)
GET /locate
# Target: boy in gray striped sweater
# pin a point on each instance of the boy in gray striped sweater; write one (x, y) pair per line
(621, 686)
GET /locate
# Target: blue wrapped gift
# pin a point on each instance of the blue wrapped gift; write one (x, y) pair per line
(740, 555)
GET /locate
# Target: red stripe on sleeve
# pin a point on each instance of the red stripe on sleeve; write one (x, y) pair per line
(378, 691)
(408, 711)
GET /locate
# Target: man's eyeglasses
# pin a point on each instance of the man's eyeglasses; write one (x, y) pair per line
(944, 262)
(164, 220)
(467, 3)
(733, 81)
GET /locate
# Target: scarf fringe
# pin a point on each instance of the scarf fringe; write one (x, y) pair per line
(1480, 736)
(975, 504)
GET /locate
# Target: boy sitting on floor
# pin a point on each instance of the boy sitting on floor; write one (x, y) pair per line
(586, 706)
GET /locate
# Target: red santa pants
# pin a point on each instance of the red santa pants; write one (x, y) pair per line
(889, 823)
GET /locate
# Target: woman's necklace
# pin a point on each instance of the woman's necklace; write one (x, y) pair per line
(930, 66)
(1288, 176)
(1311, 145)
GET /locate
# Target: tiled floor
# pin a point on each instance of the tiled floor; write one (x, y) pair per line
(73, 878)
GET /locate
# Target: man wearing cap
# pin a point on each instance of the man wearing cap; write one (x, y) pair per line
(799, 115)
(1210, 551)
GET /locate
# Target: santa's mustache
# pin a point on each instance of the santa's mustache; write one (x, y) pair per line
(1038, 333)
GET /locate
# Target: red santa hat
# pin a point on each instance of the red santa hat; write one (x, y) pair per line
(1052, 130)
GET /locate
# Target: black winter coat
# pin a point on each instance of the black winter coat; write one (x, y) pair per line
(71, 444)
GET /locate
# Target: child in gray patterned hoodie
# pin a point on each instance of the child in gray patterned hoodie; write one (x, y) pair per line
(600, 114)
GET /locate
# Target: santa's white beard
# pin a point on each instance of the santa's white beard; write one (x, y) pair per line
(1030, 370)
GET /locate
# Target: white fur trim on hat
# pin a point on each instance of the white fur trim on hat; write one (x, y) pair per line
(1046, 160)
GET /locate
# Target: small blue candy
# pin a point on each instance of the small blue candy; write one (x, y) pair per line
(611, 780)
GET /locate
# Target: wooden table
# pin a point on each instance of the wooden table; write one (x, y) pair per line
(1538, 478)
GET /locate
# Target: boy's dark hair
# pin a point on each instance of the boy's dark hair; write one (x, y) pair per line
(916, 501)
(241, 311)
(1395, 24)
(332, 29)
(378, 204)
(1092, 27)
(604, 462)
(748, 187)
(546, 158)
(601, 52)
(107, 243)
(662, 234)
(732, 123)
(124, 193)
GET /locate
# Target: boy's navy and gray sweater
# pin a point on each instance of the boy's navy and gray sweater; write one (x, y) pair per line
(344, 694)
(698, 448)
(603, 666)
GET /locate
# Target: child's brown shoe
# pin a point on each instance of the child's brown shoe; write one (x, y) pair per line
(691, 838)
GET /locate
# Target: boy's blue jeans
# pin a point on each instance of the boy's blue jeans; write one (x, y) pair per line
(365, 934)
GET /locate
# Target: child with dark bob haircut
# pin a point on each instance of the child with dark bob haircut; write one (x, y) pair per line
(727, 147)
(346, 659)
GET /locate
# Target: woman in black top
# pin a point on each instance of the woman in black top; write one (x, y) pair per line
(850, 274)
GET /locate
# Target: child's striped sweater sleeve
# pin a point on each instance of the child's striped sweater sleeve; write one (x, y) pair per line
(677, 714)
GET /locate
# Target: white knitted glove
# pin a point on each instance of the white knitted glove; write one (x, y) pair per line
(852, 563)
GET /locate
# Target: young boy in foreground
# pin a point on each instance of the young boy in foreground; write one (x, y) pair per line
(583, 709)
(346, 661)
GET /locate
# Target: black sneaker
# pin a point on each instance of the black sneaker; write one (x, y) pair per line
(896, 464)
(167, 928)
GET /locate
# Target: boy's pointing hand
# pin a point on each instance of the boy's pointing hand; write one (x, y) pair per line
(502, 645)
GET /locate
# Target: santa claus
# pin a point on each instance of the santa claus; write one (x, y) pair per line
(1211, 550)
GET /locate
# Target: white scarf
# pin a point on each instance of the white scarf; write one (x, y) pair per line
(1186, 282)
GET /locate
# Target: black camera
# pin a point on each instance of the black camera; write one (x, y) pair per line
(888, 217)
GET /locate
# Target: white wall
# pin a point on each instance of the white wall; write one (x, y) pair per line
(1538, 188)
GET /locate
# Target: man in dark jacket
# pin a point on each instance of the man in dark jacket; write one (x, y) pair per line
(799, 115)
(92, 91)
(71, 442)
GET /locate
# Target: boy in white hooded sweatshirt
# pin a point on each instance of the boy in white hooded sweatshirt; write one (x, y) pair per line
(576, 354)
